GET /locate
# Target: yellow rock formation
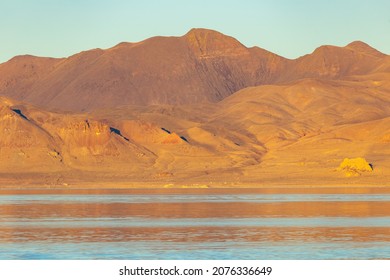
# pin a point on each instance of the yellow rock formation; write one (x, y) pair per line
(354, 166)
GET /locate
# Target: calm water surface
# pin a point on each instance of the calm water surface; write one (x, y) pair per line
(279, 223)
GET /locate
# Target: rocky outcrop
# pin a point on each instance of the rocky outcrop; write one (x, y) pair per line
(355, 166)
(23, 144)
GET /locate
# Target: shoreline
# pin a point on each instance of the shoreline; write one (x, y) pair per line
(143, 187)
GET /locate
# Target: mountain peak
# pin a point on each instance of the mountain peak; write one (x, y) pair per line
(202, 32)
(362, 47)
(210, 43)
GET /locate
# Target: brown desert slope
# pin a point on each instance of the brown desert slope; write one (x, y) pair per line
(201, 109)
(332, 62)
(201, 66)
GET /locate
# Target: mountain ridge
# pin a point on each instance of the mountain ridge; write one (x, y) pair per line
(201, 66)
(197, 110)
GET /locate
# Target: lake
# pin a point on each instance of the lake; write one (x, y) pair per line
(264, 223)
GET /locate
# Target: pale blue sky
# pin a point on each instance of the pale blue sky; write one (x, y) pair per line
(291, 28)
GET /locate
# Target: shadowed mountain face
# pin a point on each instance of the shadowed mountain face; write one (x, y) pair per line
(332, 62)
(200, 108)
(201, 66)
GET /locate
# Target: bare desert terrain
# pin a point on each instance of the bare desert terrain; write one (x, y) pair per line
(201, 110)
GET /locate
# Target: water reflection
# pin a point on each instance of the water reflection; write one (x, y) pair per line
(190, 224)
(199, 210)
(188, 198)
(196, 234)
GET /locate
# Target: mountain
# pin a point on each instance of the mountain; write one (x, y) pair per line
(18, 75)
(201, 66)
(201, 109)
(330, 62)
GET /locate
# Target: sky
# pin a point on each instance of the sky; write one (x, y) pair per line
(291, 28)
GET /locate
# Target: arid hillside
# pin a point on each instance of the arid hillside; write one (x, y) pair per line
(198, 110)
(201, 66)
